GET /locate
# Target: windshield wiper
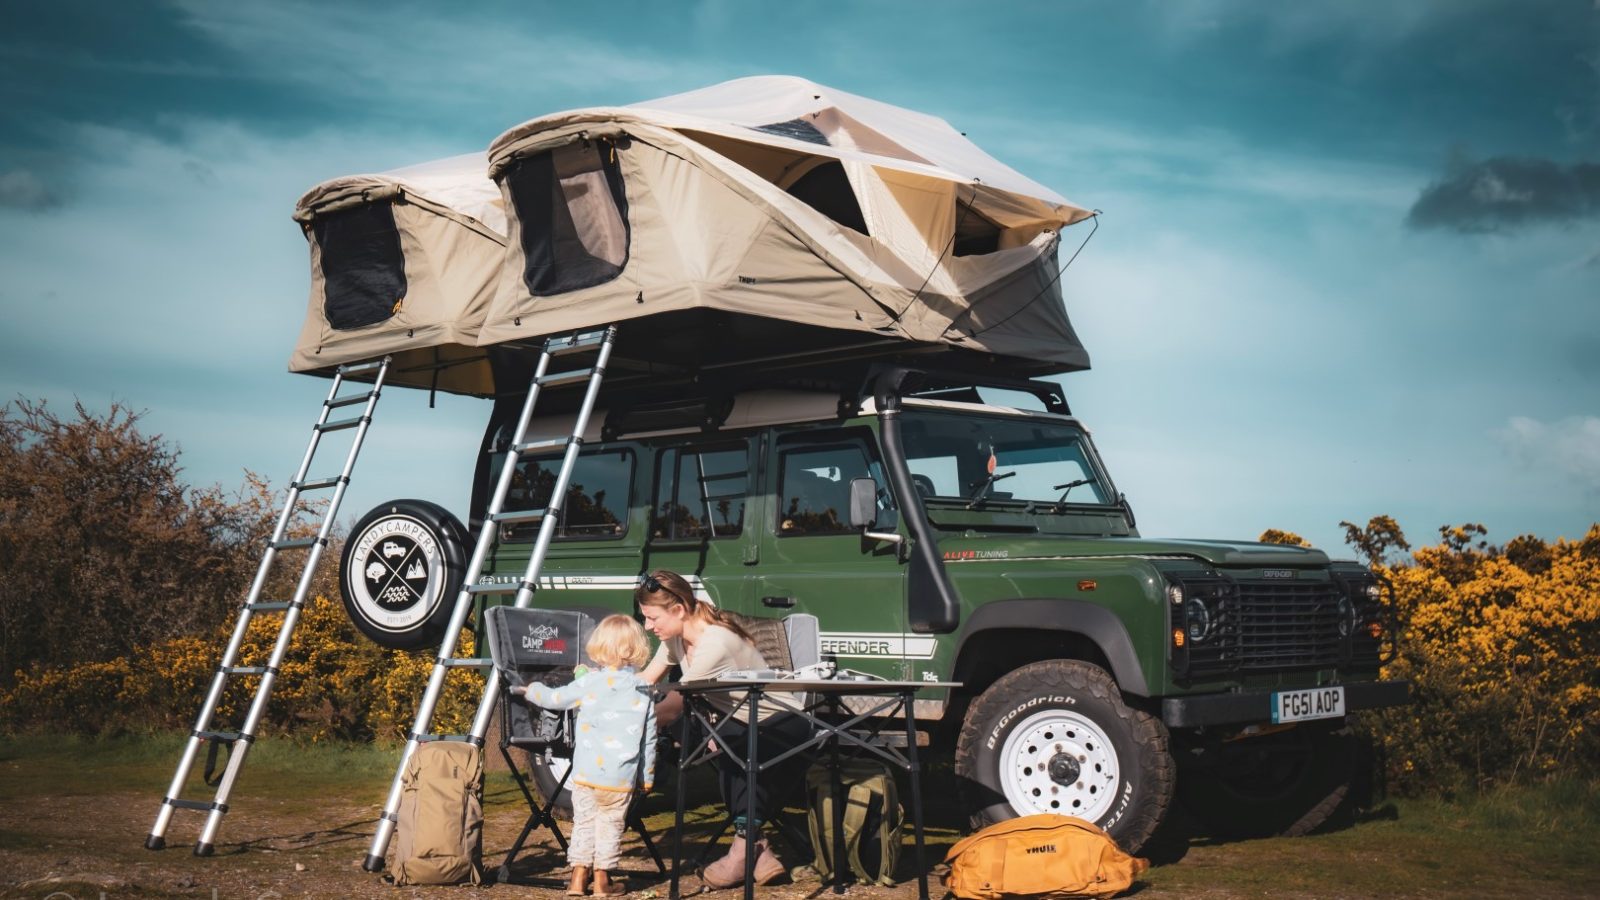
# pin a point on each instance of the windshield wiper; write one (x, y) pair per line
(1066, 489)
(982, 486)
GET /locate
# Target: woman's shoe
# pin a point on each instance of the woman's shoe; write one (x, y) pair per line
(579, 883)
(729, 870)
(768, 865)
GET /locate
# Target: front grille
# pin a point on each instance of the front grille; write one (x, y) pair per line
(1284, 625)
(1268, 625)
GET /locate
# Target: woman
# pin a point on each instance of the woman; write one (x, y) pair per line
(707, 642)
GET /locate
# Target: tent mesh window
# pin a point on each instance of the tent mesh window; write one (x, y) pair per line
(574, 215)
(975, 233)
(363, 269)
(827, 190)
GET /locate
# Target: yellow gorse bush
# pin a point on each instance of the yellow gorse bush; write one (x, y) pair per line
(333, 683)
(1502, 646)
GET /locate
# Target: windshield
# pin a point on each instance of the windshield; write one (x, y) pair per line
(980, 459)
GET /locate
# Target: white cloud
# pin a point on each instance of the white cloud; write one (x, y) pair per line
(1569, 447)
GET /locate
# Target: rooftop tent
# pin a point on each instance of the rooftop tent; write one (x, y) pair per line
(779, 199)
(403, 263)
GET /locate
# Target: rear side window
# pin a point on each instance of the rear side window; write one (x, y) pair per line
(597, 495)
(363, 270)
(814, 488)
(573, 213)
(700, 492)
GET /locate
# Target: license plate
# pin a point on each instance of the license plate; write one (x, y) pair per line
(1311, 703)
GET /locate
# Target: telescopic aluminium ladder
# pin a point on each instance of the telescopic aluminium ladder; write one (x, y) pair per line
(239, 742)
(494, 519)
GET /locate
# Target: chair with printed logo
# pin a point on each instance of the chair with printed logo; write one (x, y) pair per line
(542, 646)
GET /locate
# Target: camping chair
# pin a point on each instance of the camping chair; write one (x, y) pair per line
(544, 646)
(788, 644)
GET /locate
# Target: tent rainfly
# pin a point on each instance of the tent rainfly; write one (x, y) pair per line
(404, 263)
(776, 197)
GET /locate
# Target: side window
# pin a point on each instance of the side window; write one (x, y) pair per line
(814, 486)
(597, 495)
(573, 213)
(700, 492)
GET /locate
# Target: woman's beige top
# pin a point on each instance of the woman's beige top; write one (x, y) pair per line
(718, 651)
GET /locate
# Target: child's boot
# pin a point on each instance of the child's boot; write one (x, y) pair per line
(579, 885)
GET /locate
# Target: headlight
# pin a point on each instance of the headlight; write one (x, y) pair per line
(1197, 619)
(1347, 616)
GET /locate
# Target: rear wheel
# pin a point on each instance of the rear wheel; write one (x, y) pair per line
(1288, 783)
(1056, 737)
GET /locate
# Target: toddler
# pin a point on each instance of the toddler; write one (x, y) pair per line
(615, 750)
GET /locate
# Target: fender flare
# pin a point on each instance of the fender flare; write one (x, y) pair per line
(1090, 620)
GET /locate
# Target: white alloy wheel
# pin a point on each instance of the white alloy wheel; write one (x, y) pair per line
(1057, 761)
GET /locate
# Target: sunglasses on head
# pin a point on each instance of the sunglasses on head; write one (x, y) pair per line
(651, 585)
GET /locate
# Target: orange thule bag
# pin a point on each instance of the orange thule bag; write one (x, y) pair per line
(1049, 856)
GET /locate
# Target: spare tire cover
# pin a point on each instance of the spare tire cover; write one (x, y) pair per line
(400, 572)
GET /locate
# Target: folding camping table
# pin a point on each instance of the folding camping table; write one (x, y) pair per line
(830, 731)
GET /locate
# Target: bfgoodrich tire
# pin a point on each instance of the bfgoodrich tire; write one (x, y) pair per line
(1284, 784)
(400, 571)
(1055, 737)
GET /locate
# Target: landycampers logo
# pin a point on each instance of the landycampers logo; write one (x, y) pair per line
(399, 581)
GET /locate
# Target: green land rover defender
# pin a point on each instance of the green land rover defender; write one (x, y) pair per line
(951, 526)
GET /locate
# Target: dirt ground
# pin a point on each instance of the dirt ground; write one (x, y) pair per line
(74, 829)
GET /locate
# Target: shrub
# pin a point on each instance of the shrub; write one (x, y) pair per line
(1500, 645)
(334, 683)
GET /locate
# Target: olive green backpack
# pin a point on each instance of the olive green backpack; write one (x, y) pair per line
(873, 821)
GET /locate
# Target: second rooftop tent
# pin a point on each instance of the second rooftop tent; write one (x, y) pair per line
(779, 199)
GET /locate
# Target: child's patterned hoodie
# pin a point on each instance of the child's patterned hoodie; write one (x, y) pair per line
(616, 747)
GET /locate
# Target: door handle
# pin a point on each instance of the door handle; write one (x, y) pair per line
(778, 602)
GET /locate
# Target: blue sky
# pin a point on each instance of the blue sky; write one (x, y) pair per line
(1349, 263)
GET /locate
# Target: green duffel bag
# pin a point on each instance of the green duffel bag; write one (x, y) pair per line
(873, 820)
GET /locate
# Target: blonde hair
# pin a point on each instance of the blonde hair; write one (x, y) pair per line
(664, 587)
(618, 641)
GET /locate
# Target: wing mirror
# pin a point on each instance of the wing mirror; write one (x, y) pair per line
(864, 511)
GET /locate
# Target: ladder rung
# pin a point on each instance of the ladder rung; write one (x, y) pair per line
(269, 606)
(245, 670)
(342, 424)
(495, 588)
(724, 477)
(350, 400)
(354, 368)
(536, 446)
(574, 343)
(739, 496)
(202, 805)
(315, 484)
(226, 737)
(471, 662)
(521, 515)
(559, 378)
(296, 544)
(458, 738)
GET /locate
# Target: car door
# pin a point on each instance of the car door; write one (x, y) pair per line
(697, 517)
(812, 560)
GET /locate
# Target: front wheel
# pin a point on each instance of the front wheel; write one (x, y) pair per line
(1055, 737)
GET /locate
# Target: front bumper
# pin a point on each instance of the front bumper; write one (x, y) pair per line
(1256, 706)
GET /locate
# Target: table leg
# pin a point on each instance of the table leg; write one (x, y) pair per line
(752, 833)
(841, 862)
(677, 822)
(916, 793)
